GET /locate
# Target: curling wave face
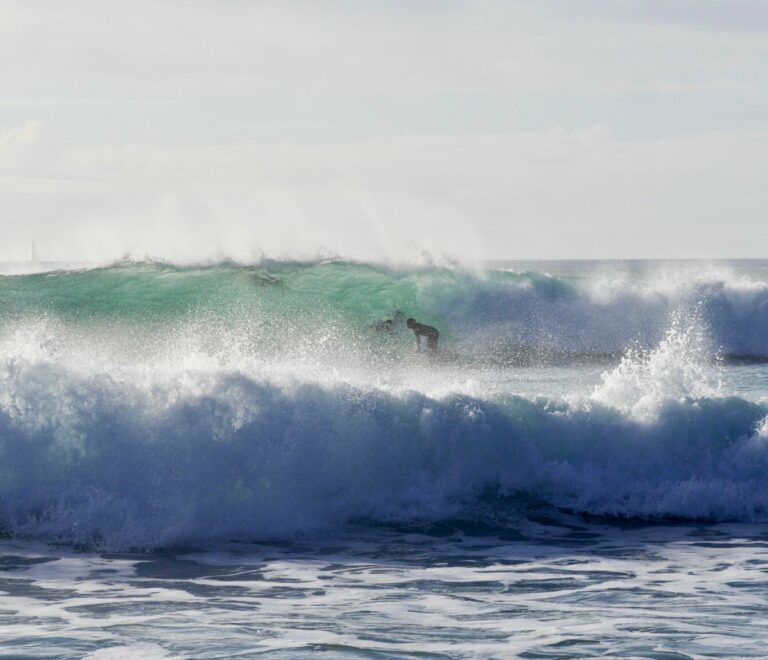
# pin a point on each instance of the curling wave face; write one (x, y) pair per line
(495, 314)
(146, 405)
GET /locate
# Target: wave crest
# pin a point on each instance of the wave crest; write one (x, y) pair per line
(94, 461)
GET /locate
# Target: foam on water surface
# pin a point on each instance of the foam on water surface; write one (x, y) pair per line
(557, 588)
(219, 455)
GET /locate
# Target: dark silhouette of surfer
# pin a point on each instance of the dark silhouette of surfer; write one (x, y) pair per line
(421, 330)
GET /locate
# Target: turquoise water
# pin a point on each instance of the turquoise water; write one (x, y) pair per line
(206, 461)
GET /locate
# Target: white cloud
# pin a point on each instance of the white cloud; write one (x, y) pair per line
(20, 148)
(363, 127)
(18, 136)
(709, 15)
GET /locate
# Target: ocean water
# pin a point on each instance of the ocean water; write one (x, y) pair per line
(230, 460)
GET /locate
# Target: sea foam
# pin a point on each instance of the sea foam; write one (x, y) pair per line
(91, 460)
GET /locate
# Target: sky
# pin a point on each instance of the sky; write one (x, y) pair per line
(384, 130)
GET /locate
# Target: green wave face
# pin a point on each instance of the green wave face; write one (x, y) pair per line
(149, 292)
(494, 316)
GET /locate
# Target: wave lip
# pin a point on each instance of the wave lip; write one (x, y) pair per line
(112, 465)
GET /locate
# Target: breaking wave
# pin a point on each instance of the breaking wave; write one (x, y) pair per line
(496, 315)
(94, 461)
(145, 405)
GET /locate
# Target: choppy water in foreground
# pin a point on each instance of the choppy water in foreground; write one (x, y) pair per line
(229, 460)
(547, 588)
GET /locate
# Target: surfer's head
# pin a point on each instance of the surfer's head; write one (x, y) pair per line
(410, 322)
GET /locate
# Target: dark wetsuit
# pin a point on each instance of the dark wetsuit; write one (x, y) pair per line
(421, 330)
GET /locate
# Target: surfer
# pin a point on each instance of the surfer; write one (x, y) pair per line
(421, 330)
